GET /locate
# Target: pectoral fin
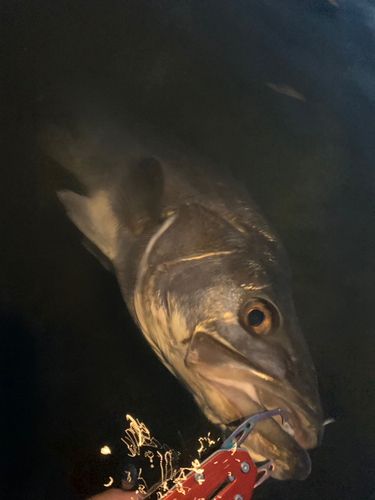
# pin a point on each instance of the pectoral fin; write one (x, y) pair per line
(94, 217)
(124, 210)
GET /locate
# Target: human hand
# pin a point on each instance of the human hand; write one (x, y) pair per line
(117, 494)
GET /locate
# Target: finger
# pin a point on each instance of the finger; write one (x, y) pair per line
(116, 494)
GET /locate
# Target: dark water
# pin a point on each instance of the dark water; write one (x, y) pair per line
(72, 362)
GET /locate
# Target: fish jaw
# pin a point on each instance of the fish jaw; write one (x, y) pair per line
(247, 392)
(269, 440)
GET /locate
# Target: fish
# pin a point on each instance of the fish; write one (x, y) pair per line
(204, 276)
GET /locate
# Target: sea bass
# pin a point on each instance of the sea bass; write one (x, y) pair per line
(205, 278)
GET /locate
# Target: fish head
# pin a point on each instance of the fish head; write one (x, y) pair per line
(215, 302)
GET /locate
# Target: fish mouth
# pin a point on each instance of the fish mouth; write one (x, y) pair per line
(246, 391)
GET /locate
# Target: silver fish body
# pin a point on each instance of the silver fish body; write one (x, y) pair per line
(206, 280)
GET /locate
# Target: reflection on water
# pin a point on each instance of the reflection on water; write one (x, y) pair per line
(283, 93)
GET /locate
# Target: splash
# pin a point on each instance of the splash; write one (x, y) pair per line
(136, 436)
(181, 475)
(150, 456)
(205, 443)
(166, 466)
(110, 482)
(106, 450)
(234, 448)
(142, 485)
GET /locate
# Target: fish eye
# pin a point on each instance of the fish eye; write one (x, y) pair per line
(258, 318)
(255, 317)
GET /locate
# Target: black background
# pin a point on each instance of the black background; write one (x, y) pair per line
(72, 362)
